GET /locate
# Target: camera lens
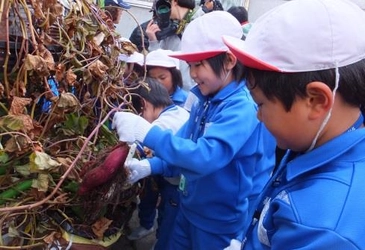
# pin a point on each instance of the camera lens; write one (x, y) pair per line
(163, 9)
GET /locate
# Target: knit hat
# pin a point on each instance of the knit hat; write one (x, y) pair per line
(161, 58)
(304, 35)
(202, 38)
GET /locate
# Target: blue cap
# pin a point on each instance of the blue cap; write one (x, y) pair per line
(118, 3)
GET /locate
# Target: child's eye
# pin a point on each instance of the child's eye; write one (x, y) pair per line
(195, 64)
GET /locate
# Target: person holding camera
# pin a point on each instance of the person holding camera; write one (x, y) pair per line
(164, 31)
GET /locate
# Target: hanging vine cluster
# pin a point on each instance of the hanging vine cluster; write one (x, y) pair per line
(62, 79)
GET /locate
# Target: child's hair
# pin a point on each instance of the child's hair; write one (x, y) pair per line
(152, 91)
(286, 87)
(217, 65)
(176, 76)
(240, 13)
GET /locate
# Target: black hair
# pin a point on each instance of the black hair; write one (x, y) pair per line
(239, 12)
(176, 76)
(217, 65)
(190, 4)
(286, 87)
(152, 91)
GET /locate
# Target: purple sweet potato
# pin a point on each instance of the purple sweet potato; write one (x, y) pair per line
(104, 172)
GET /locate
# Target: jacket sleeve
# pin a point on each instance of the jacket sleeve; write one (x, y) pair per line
(216, 148)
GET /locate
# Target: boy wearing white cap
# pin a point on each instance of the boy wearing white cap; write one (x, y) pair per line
(308, 77)
(219, 151)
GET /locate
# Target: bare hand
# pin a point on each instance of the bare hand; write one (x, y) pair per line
(151, 30)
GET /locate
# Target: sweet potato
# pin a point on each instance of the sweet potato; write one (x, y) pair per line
(103, 173)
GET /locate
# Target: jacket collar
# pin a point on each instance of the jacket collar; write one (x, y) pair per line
(334, 149)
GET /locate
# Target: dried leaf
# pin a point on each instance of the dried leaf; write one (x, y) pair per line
(24, 170)
(100, 226)
(68, 101)
(60, 71)
(99, 38)
(11, 122)
(46, 56)
(12, 230)
(37, 6)
(41, 183)
(98, 69)
(70, 77)
(40, 161)
(19, 89)
(36, 63)
(18, 144)
(128, 47)
(49, 239)
(17, 123)
(18, 105)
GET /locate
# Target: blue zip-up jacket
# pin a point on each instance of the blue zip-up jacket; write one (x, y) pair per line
(179, 96)
(316, 200)
(218, 151)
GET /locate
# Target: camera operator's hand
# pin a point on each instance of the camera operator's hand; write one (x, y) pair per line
(151, 30)
(210, 5)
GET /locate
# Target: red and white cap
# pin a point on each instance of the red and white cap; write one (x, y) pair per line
(304, 35)
(202, 37)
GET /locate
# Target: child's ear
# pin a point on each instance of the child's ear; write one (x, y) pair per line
(320, 99)
(231, 60)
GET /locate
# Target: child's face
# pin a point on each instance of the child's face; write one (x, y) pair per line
(204, 76)
(149, 112)
(163, 75)
(290, 128)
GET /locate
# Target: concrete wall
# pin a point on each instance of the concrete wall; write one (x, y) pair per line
(139, 12)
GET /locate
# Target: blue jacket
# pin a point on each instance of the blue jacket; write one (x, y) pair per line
(179, 96)
(318, 202)
(218, 151)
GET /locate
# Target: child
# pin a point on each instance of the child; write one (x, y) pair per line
(308, 77)
(166, 70)
(158, 109)
(218, 151)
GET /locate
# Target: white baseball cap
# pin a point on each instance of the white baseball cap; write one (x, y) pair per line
(202, 37)
(161, 58)
(136, 57)
(304, 35)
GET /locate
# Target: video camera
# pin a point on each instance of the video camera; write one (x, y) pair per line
(167, 26)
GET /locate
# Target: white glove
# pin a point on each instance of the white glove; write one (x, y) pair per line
(137, 169)
(235, 245)
(130, 127)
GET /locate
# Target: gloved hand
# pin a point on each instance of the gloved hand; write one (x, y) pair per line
(235, 245)
(130, 127)
(137, 169)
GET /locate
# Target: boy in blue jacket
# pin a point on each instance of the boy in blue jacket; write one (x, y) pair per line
(224, 154)
(308, 78)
